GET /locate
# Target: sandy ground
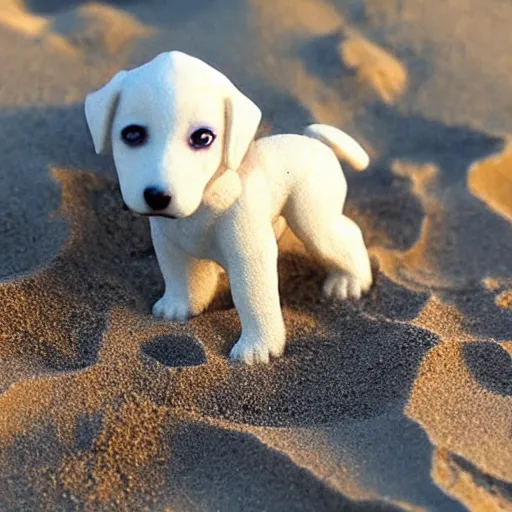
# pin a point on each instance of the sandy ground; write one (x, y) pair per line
(402, 401)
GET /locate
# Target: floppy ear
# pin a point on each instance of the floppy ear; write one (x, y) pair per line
(242, 120)
(100, 107)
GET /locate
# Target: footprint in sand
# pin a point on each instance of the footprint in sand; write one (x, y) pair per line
(490, 364)
(175, 351)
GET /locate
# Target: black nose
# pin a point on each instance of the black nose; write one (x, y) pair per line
(156, 198)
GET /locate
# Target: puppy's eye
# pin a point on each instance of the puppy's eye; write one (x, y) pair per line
(134, 135)
(201, 138)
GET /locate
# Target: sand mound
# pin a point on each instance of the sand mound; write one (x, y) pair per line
(91, 28)
(95, 27)
(460, 368)
(374, 67)
(491, 181)
(13, 15)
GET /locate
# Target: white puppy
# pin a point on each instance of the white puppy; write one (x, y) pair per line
(182, 137)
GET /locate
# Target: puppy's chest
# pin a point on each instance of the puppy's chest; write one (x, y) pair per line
(195, 236)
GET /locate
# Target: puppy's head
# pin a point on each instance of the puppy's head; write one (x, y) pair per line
(172, 124)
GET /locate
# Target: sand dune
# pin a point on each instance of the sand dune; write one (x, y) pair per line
(398, 402)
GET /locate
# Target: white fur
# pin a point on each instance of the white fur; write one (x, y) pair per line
(232, 200)
(345, 147)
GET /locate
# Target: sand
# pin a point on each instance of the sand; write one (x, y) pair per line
(402, 401)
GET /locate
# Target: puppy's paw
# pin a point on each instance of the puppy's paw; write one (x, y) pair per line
(250, 350)
(343, 286)
(170, 307)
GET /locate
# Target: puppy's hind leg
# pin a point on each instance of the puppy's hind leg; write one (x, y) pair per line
(314, 214)
(350, 275)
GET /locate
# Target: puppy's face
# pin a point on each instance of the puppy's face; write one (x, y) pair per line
(172, 125)
(167, 142)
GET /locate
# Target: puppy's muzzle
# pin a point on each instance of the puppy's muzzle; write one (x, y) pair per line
(156, 198)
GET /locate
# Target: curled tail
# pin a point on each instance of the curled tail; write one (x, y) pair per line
(345, 147)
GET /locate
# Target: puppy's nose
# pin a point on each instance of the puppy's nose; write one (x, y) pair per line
(156, 198)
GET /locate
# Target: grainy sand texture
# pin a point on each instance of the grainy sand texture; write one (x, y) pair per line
(402, 401)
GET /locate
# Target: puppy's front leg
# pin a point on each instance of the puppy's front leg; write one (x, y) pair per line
(190, 284)
(252, 271)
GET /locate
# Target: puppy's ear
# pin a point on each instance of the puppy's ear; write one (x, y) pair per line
(100, 107)
(242, 120)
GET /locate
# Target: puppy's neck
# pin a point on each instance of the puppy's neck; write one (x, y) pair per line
(226, 187)
(222, 192)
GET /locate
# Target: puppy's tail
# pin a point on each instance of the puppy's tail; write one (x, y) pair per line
(343, 145)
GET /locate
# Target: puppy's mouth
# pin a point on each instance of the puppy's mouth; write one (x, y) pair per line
(149, 214)
(156, 214)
